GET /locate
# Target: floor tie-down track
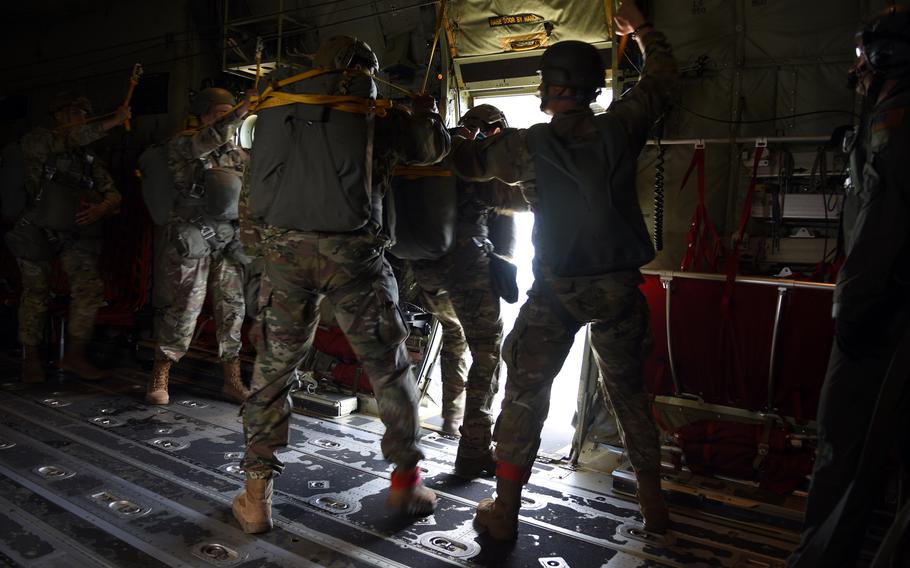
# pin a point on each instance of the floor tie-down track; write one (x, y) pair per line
(90, 472)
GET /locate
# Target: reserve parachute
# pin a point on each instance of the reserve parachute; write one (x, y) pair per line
(426, 207)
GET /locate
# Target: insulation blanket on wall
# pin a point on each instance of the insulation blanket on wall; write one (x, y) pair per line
(482, 27)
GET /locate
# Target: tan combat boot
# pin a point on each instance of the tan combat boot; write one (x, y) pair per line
(233, 388)
(156, 393)
(32, 369)
(253, 506)
(76, 362)
(472, 464)
(651, 501)
(500, 516)
(408, 495)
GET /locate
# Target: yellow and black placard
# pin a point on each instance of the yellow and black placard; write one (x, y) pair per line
(510, 20)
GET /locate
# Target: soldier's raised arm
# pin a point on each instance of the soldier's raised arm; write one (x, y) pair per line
(422, 138)
(640, 108)
(504, 157)
(197, 144)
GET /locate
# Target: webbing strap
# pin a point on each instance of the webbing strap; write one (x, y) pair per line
(418, 172)
(344, 103)
(701, 234)
(732, 264)
(271, 97)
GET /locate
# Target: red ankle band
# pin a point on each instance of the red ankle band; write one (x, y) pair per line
(512, 472)
(404, 479)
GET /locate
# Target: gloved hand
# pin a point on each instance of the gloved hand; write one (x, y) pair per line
(424, 103)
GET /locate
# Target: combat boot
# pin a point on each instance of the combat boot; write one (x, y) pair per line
(500, 516)
(471, 464)
(253, 506)
(408, 495)
(651, 501)
(450, 427)
(32, 369)
(76, 362)
(156, 393)
(233, 388)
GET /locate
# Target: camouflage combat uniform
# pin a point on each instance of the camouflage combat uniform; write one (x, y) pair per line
(78, 249)
(457, 290)
(182, 282)
(557, 305)
(351, 270)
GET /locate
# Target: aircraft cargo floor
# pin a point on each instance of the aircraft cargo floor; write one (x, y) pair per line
(91, 476)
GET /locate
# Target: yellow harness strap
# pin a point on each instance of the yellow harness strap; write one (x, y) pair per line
(271, 97)
(412, 173)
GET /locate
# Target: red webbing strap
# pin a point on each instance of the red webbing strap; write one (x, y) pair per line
(512, 472)
(733, 261)
(405, 479)
(702, 240)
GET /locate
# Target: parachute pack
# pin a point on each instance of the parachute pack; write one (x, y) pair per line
(311, 167)
(426, 206)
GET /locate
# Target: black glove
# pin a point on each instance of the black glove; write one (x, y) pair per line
(504, 277)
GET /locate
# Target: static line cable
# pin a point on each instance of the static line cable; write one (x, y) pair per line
(772, 119)
(439, 25)
(134, 79)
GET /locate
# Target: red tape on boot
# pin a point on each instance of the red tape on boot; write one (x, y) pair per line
(512, 472)
(406, 479)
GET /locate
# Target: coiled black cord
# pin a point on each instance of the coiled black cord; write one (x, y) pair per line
(659, 199)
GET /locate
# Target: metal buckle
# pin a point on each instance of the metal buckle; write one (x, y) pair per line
(196, 190)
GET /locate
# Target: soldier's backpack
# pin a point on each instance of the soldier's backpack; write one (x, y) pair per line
(158, 189)
(311, 165)
(13, 197)
(426, 207)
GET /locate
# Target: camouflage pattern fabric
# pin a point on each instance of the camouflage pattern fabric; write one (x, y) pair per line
(79, 259)
(210, 146)
(453, 365)
(302, 268)
(86, 293)
(40, 143)
(537, 347)
(183, 283)
(540, 341)
(457, 290)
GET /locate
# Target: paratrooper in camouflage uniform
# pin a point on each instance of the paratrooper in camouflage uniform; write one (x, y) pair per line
(183, 281)
(61, 172)
(457, 289)
(590, 240)
(350, 269)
